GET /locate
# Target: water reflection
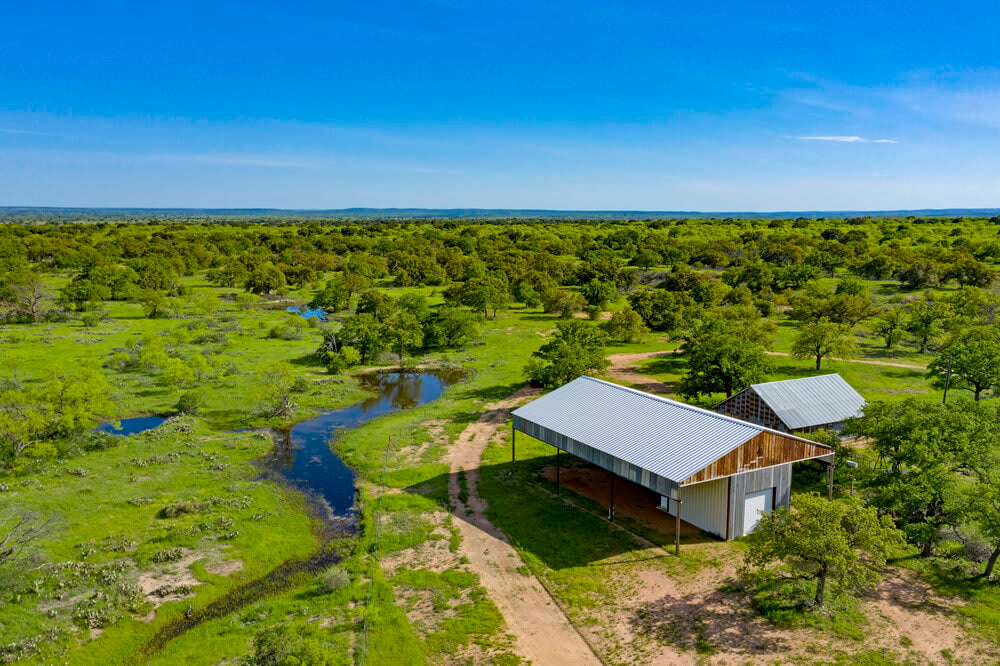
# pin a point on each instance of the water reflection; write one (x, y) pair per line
(132, 426)
(302, 454)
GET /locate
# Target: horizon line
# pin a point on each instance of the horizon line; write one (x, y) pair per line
(481, 212)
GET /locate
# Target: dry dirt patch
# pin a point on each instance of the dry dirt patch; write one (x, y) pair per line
(174, 580)
(666, 618)
(414, 454)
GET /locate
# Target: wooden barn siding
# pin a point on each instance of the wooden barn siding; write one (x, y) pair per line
(606, 461)
(747, 406)
(764, 450)
(779, 478)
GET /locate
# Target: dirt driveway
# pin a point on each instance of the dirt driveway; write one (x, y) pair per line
(542, 632)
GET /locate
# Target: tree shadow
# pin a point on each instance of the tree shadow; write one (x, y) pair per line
(667, 364)
(707, 622)
(541, 316)
(306, 361)
(491, 393)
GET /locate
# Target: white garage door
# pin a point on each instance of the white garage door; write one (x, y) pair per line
(755, 504)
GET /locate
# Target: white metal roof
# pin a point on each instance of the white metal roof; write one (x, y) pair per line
(811, 401)
(666, 437)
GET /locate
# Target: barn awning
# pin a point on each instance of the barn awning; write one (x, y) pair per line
(666, 437)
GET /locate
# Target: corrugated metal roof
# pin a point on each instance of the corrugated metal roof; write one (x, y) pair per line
(811, 401)
(664, 436)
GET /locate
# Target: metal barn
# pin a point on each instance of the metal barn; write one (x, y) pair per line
(716, 471)
(807, 404)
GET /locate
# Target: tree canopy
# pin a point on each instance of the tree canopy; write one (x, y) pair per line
(576, 349)
(840, 542)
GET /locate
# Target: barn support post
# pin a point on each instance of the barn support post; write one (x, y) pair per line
(513, 446)
(558, 487)
(611, 505)
(829, 481)
(677, 526)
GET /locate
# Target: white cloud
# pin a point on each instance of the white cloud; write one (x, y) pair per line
(845, 139)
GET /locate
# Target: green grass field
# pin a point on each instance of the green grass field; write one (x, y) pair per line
(110, 503)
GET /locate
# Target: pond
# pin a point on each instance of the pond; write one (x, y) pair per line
(306, 313)
(131, 426)
(303, 456)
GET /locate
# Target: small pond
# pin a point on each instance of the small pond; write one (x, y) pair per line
(303, 456)
(306, 313)
(131, 426)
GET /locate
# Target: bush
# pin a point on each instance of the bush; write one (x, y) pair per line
(347, 357)
(299, 644)
(192, 402)
(93, 318)
(335, 579)
(292, 328)
(179, 508)
(167, 555)
(245, 301)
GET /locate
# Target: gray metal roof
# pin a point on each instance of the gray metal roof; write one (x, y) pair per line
(666, 437)
(811, 401)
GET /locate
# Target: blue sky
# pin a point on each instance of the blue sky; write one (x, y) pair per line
(636, 105)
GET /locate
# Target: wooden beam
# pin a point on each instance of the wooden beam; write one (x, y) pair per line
(829, 481)
(767, 449)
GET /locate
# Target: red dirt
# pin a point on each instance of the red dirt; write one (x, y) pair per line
(631, 500)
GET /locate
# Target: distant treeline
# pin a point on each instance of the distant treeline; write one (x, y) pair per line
(28, 214)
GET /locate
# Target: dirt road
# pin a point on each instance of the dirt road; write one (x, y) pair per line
(864, 361)
(622, 368)
(622, 371)
(542, 631)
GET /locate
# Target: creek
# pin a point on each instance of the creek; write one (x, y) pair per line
(303, 459)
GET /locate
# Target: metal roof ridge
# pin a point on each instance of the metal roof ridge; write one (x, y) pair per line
(796, 379)
(708, 412)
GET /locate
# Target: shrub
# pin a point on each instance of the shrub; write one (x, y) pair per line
(192, 402)
(179, 508)
(335, 579)
(291, 328)
(93, 318)
(299, 644)
(167, 555)
(245, 301)
(347, 357)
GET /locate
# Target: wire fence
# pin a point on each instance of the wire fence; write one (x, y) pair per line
(376, 536)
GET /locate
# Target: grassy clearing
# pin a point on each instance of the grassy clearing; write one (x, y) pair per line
(121, 491)
(874, 382)
(404, 524)
(112, 512)
(234, 341)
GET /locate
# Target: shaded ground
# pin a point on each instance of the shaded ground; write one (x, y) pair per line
(631, 500)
